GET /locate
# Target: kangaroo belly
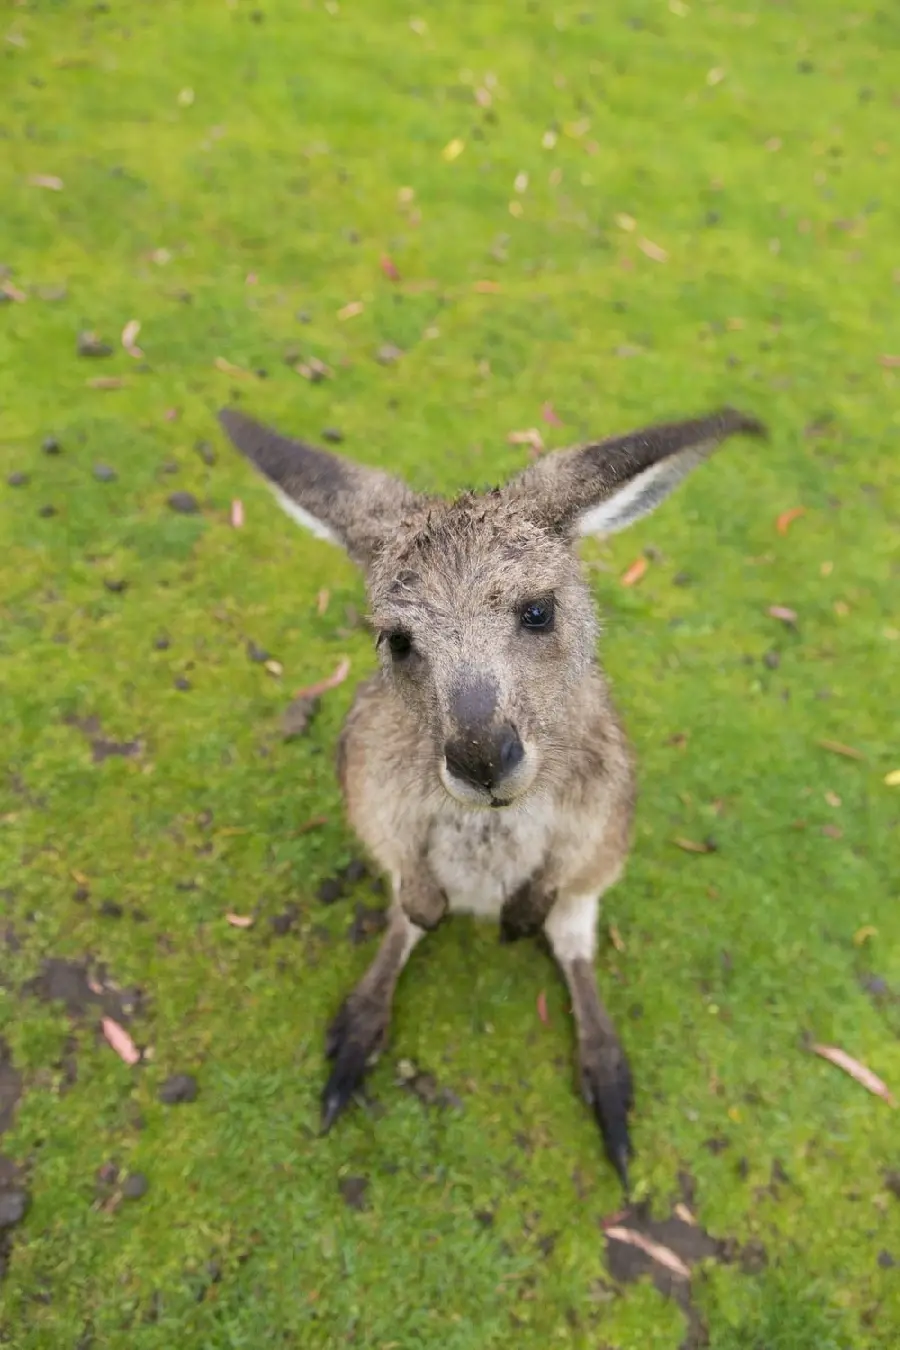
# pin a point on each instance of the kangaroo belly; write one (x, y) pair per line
(481, 858)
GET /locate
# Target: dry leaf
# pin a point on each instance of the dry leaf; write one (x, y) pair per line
(632, 575)
(866, 1077)
(313, 370)
(786, 517)
(46, 180)
(322, 601)
(129, 338)
(653, 250)
(892, 779)
(692, 845)
(838, 748)
(783, 613)
(237, 513)
(664, 1256)
(240, 920)
(453, 150)
(350, 311)
(315, 823)
(549, 414)
(94, 986)
(229, 368)
(120, 1041)
(626, 223)
(615, 938)
(684, 1214)
(340, 673)
(486, 287)
(542, 1008)
(832, 799)
(13, 293)
(890, 362)
(106, 382)
(530, 437)
(274, 667)
(389, 268)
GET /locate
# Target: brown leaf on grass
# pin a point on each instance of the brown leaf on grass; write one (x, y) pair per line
(532, 437)
(486, 287)
(314, 823)
(313, 370)
(46, 180)
(350, 311)
(338, 675)
(549, 414)
(632, 575)
(120, 1041)
(653, 251)
(240, 920)
(782, 524)
(664, 1256)
(692, 845)
(237, 513)
(229, 368)
(542, 1008)
(684, 1214)
(389, 268)
(129, 339)
(12, 292)
(890, 362)
(322, 600)
(838, 748)
(859, 1072)
(783, 613)
(615, 938)
(106, 382)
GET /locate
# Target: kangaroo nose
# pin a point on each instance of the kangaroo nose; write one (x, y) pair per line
(485, 762)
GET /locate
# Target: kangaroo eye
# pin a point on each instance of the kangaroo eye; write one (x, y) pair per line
(537, 615)
(400, 645)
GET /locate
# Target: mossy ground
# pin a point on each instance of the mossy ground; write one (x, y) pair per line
(226, 170)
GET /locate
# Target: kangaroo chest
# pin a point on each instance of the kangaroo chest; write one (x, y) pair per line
(481, 858)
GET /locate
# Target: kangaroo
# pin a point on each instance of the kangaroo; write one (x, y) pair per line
(483, 765)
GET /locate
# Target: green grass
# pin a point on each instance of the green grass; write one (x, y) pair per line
(757, 145)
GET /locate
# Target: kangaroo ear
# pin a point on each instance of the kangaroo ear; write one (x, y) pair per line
(336, 499)
(600, 489)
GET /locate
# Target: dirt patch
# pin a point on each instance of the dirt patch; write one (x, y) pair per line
(101, 746)
(667, 1250)
(10, 1087)
(14, 1203)
(425, 1086)
(84, 992)
(353, 1191)
(367, 921)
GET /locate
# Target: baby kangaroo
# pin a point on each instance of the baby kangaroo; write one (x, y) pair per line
(483, 765)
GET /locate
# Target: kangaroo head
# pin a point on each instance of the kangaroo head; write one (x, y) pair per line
(485, 625)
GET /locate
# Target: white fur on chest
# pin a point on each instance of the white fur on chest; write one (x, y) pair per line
(480, 858)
